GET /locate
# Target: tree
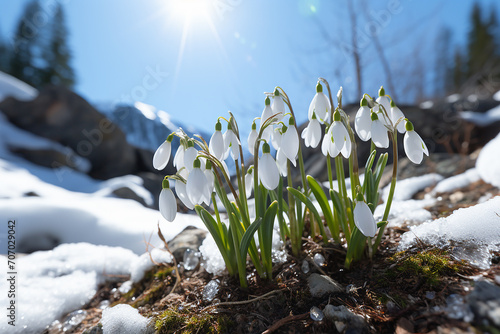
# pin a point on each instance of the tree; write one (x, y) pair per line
(58, 55)
(4, 55)
(26, 45)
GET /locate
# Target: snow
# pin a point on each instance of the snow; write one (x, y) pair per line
(453, 98)
(405, 189)
(409, 212)
(10, 86)
(496, 96)
(488, 162)
(426, 105)
(457, 181)
(482, 119)
(472, 232)
(124, 319)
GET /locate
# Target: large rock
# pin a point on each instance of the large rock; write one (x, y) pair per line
(63, 116)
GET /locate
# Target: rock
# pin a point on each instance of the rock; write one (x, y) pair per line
(191, 237)
(320, 285)
(127, 193)
(484, 302)
(48, 158)
(63, 116)
(340, 314)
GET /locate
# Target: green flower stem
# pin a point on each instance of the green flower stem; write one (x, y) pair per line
(295, 237)
(219, 221)
(394, 138)
(329, 166)
(242, 266)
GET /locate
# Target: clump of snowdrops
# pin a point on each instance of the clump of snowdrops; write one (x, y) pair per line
(203, 177)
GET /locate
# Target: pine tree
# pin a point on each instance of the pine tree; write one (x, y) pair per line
(4, 55)
(57, 56)
(26, 42)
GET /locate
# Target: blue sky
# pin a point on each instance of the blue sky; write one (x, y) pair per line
(238, 49)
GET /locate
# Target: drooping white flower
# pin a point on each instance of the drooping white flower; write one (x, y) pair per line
(290, 142)
(379, 132)
(268, 170)
(232, 142)
(249, 182)
(320, 105)
(413, 144)
(167, 202)
(216, 146)
(180, 190)
(162, 154)
(383, 99)
(209, 174)
(278, 106)
(281, 161)
(266, 114)
(363, 121)
(252, 137)
(189, 156)
(337, 138)
(276, 137)
(397, 115)
(179, 158)
(325, 144)
(196, 185)
(312, 133)
(363, 219)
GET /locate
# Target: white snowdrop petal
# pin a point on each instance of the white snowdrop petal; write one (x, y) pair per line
(278, 107)
(346, 150)
(379, 134)
(216, 146)
(322, 106)
(363, 218)
(268, 171)
(385, 101)
(179, 158)
(180, 190)
(290, 144)
(324, 145)
(281, 160)
(189, 156)
(396, 115)
(168, 204)
(363, 123)
(162, 155)
(276, 138)
(252, 137)
(414, 147)
(248, 184)
(196, 185)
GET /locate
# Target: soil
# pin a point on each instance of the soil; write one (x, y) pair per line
(393, 293)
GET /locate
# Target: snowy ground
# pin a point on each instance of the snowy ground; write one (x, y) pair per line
(102, 236)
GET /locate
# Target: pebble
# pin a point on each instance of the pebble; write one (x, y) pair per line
(210, 290)
(319, 260)
(191, 259)
(320, 285)
(305, 267)
(73, 319)
(316, 314)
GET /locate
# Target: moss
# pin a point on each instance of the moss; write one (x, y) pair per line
(428, 265)
(176, 322)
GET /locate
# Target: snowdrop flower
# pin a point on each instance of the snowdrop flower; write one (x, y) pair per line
(179, 158)
(167, 202)
(379, 132)
(162, 154)
(278, 106)
(189, 156)
(320, 105)
(383, 99)
(249, 181)
(337, 139)
(266, 113)
(209, 174)
(268, 170)
(196, 185)
(232, 142)
(396, 114)
(363, 121)
(414, 145)
(290, 141)
(312, 133)
(216, 146)
(281, 161)
(180, 190)
(363, 218)
(276, 137)
(252, 137)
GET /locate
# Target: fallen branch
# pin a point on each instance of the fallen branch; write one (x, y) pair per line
(243, 302)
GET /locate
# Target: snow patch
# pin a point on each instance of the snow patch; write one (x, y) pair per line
(482, 119)
(457, 181)
(426, 105)
(10, 86)
(405, 189)
(473, 232)
(488, 162)
(124, 319)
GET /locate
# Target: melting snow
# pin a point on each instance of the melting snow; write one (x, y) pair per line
(473, 232)
(405, 189)
(457, 181)
(488, 162)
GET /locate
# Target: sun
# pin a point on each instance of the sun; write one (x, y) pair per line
(191, 11)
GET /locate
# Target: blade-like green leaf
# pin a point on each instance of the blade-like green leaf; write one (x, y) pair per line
(320, 196)
(248, 237)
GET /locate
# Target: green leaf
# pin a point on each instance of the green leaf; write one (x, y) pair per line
(320, 196)
(267, 236)
(355, 248)
(248, 237)
(309, 204)
(371, 159)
